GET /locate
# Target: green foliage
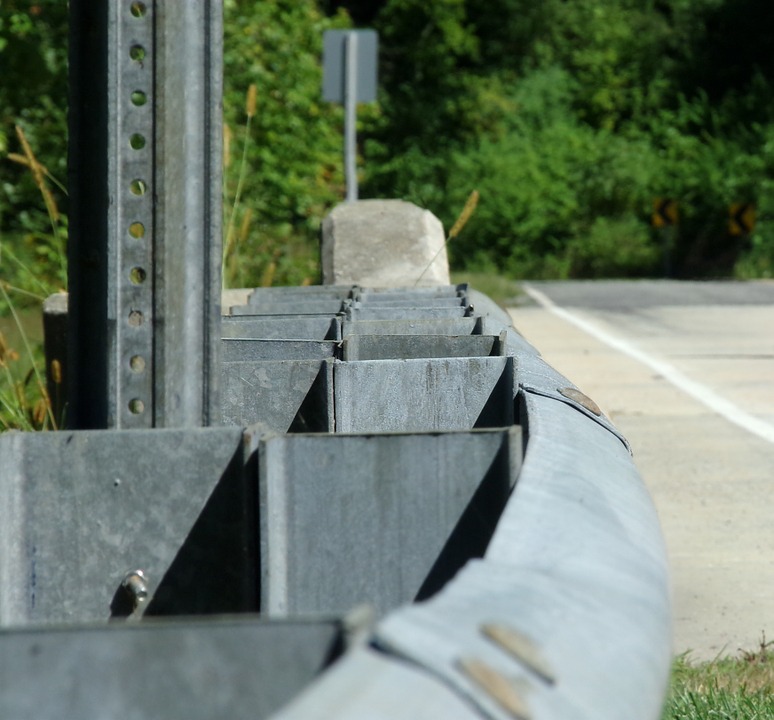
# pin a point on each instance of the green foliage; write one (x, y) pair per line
(292, 148)
(33, 94)
(548, 184)
(570, 118)
(728, 688)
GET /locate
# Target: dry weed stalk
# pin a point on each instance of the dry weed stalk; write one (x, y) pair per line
(462, 220)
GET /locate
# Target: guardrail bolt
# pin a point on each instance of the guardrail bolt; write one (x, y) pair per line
(136, 586)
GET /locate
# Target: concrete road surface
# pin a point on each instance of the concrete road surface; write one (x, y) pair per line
(686, 371)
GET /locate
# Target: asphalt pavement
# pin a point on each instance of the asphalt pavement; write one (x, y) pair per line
(686, 371)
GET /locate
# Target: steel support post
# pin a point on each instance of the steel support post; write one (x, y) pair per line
(350, 115)
(145, 232)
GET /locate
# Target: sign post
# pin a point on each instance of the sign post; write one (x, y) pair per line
(145, 224)
(741, 219)
(666, 215)
(349, 76)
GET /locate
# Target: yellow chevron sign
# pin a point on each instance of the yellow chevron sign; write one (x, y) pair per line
(741, 218)
(665, 212)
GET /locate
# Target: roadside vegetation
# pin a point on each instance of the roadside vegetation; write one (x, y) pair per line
(739, 688)
(570, 119)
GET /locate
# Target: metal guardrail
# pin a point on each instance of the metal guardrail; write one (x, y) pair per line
(489, 516)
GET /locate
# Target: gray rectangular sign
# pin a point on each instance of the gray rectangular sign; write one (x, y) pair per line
(334, 62)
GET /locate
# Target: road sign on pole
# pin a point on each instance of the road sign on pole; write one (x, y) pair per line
(665, 212)
(349, 76)
(741, 218)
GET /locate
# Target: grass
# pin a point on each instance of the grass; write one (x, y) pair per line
(504, 291)
(725, 689)
(32, 266)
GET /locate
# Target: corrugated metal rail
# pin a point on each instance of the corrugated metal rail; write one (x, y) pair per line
(406, 449)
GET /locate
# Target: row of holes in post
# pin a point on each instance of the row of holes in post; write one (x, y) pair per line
(138, 187)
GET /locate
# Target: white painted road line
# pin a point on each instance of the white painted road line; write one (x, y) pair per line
(700, 392)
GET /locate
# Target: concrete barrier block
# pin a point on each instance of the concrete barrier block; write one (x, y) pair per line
(381, 519)
(383, 243)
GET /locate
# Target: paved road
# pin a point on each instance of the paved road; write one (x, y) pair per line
(686, 372)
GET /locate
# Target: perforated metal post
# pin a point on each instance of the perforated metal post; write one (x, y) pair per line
(145, 179)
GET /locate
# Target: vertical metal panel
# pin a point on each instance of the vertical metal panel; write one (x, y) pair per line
(145, 176)
(423, 395)
(82, 509)
(378, 519)
(189, 162)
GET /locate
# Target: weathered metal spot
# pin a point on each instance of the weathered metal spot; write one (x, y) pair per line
(496, 685)
(521, 648)
(581, 398)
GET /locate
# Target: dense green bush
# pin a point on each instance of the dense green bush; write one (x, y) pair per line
(289, 155)
(569, 118)
(579, 116)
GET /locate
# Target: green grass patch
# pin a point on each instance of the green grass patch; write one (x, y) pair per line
(504, 291)
(725, 689)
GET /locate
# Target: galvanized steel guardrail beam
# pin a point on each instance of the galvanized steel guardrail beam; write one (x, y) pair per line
(547, 601)
(566, 615)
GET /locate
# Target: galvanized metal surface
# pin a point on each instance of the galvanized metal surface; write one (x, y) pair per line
(373, 300)
(394, 347)
(409, 326)
(280, 395)
(426, 294)
(335, 62)
(381, 519)
(418, 312)
(242, 349)
(370, 684)
(587, 591)
(566, 616)
(437, 394)
(182, 670)
(303, 292)
(302, 306)
(563, 613)
(315, 327)
(144, 252)
(80, 510)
